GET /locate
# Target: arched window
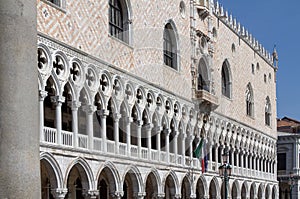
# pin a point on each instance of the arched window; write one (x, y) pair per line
(226, 81)
(59, 3)
(170, 46)
(203, 81)
(118, 20)
(268, 112)
(249, 101)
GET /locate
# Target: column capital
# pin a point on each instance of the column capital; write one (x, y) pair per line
(140, 195)
(74, 105)
(57, 99)
(103, 113)
(119, 194)
(93, 193)
(89, 108)
(42, 94)
(59, 193)
(160, 195)
(128, 119)
(139, 123)
(117, 116)
(177, 196)
(148, 126)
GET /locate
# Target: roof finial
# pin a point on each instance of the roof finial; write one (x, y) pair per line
(275, 57)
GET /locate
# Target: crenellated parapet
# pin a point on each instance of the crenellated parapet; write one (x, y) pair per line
(241, 31)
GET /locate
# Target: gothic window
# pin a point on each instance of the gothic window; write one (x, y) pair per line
(58, 3)
(203, 82)
(118, 20)
(249, 101)
(226, 81)
(170, 46)
(268, 112)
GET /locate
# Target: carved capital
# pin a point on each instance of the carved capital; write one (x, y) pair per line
(74, 105)
(57, 100)
(42, 94)
(59, 193)
(89, 109)
(93, 193)
(117, 117)
(103, 113)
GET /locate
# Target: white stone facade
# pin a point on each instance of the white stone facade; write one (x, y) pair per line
(116, 122)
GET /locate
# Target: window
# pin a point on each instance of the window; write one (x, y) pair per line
(118, 20)
(249, 101)
(268, 112)
(203, 81)
(281, 161)
(226, 82)
(170, 46)
(58, 3)
(253, 69)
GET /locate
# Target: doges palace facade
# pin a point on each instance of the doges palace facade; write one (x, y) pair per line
(128, 88)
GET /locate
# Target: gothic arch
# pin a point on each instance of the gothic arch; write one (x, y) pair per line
(226, 79)
(57, 177)
(174, 178)
(201, 187)
(85, 169)
(135, 176)
(156, 175)
(113, 172)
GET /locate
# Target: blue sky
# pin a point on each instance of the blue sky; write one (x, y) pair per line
(276, 22)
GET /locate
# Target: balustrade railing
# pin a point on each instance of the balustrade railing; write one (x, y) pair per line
(180, 159)
(110, 146)
(50, 135)
(134, 151)
(163, 156)
(82, 141)
(172, 158)
(97, 144)
(122, 148)
(144, 153)
(67, 138)
(154, 154)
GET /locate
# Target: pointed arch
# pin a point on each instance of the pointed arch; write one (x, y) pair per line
(171, 45)
(154, 177)
(84, 170)
(226, 79)
(56, 176)
(132, 177)
(268, 112)
(249, 101)
(170, 184)
(204, 76)
(113, 174)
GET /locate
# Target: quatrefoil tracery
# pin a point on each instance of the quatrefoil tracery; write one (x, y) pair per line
(58, 65)
(75, 72)
(90, 77)
(42, 59)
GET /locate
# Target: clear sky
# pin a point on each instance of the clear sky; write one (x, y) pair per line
(276, 22)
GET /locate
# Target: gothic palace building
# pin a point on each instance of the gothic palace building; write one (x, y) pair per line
(128, 88)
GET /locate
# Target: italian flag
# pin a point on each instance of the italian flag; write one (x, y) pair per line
(200, 153)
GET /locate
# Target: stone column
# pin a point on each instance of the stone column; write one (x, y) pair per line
(42, 95)
(167, 134)
(89, 110)
(183, 148)
(158, 142)
(58, 100)
(210, 158)
(128, 121)
(175, 149)
(148, 130)
(74, 107)
(19, 105)
(19, 112)
(103, 115)
(139, 137)
(116, 131)
(191, 138)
